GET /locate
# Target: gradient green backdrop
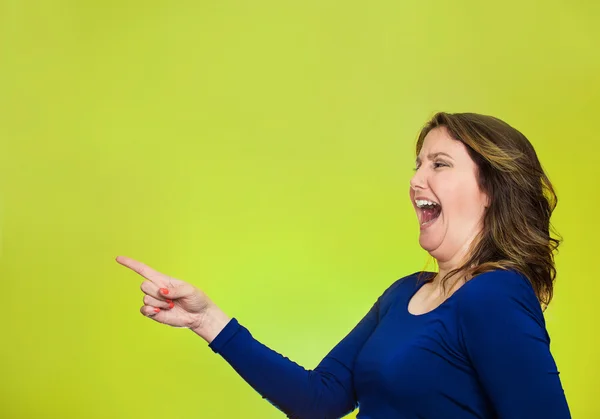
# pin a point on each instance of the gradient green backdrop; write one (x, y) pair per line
(262, 151)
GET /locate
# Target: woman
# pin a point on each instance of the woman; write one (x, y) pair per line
(466, 342)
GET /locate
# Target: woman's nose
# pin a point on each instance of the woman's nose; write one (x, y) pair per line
(417, 181)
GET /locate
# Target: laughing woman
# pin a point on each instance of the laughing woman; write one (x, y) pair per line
(467, 341)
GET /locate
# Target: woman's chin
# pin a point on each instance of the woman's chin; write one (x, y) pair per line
(431, 235)
(428, 244)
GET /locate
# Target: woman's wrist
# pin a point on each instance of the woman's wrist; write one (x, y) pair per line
(213, 320)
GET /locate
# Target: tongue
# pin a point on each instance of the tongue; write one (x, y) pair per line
(430, 214)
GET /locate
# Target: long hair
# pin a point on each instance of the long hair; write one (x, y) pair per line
(516, 230)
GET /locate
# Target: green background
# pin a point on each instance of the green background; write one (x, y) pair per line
(262, 151)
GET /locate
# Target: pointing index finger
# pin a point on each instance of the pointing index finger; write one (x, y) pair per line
(143, 269)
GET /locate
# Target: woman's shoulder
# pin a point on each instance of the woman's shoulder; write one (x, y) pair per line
(496, 290)
(406, 285)
(498, 282)
(399, 291)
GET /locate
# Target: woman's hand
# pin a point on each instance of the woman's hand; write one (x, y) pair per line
(169, 300)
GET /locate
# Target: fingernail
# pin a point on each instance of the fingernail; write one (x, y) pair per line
(169, 301)
(171, 304)
(164, 291)
(156, 309)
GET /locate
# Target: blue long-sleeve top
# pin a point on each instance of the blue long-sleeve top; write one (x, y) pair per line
(483, 353)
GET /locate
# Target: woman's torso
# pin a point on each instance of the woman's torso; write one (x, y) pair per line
(416, 366)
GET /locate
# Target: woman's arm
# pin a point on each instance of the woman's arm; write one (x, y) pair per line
(325, 392)
(504, 336)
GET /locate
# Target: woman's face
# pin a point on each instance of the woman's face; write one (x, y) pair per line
(447, 177)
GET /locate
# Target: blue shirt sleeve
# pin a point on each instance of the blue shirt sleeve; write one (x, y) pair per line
(503, 331)
(325, 392)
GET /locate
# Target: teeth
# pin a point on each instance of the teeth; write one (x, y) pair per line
(423, 202)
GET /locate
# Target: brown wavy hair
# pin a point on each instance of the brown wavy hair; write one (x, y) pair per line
(516, 230)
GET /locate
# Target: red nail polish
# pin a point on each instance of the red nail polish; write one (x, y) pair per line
(171, 304)
(169, 301)
(156, 309)
(164, 291)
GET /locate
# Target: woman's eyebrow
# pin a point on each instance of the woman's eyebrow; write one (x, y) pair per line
(432, 156)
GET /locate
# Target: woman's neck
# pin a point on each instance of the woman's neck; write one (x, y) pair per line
(450, 283)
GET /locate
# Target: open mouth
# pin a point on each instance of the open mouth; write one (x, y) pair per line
(427, 211)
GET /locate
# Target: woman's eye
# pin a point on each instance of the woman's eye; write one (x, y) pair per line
(439, 164)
